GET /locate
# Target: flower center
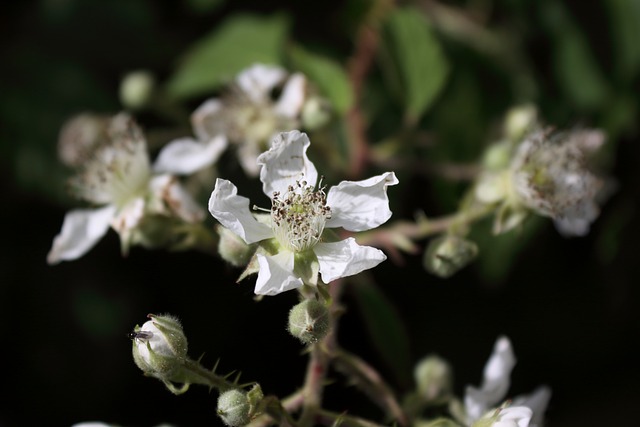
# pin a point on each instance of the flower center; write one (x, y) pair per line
(299, 215)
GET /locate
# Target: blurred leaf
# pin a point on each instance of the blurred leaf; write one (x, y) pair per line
(625, 16)
(576, 69)
(327, 74)
(242, 40)
(387, 331)
(413, 61)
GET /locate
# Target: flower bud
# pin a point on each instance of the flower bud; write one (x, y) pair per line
(233, 249)
(519, 121)
(433, 377)
(316, 112)
(136, 88)
(234, 408)
(159, 346)
(309, 321)
(446, 255)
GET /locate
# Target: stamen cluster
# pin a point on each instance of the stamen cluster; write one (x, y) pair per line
(298, 217)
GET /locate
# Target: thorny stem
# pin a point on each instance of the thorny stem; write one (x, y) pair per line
(371, 381)
(289, 405)
(358, 66)
(195, 373)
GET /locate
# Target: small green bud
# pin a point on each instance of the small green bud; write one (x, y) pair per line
(159, 346)
(233, 249)
(136, 89)
(519, 121)
(309, 321)
(234, 408)
(497, 156)
(433, 377)
(448, 254)
(316, 112)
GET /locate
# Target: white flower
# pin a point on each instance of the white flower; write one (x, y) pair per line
(118, 179)
(551, 177)
(495, 381)
(299, 214)
(510, 416)
(479, 402)
(247, 115)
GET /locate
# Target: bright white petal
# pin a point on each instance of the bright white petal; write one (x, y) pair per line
(495, 382)
(185, 156)
(513, 416)
(292, 98)
(345, 258)
(286, 162)
(173, 199)
(360, 205)
(258, 80)
(81, 230)
(276, 274)
(207, 120)
(233, 213)
(537, 402)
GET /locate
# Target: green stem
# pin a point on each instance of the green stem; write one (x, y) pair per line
(330, 418)
(194, 373)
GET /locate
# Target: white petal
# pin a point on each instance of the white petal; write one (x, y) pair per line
(537, 402)
(495, 382)
(233, 213)
(207, 120)
(128, 217)
(286, 162)
(276, 274)
(258, 80)
(513, 416)
(173, 199)
(292, 98)
(360, 205)
(185, 156)
(81, 230)
(345, 258)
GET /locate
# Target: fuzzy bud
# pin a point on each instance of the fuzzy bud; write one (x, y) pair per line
(519, 121)
(309, 321)
(433, 377)
(159, 346)
(447, 255)
(234, 408)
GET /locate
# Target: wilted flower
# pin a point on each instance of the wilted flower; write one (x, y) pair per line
(548, 174)
(247, 115)
(299, 213)
(118, 178)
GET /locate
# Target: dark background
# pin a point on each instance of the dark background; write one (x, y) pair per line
(570, 306)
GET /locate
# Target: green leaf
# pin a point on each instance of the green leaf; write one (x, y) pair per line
(386, 329)
(413, 61)
(242, 40)
(624, 16)
(327, 74)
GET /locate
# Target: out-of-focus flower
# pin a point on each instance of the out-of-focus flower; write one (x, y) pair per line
(299, 213)
(481, 403)
(118, 178)
(80, 136)
(548, 174)
(248, 115)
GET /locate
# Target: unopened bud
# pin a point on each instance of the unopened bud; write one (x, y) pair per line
(448, 254)
(316, 112)
(233, 249)
(234, 408)
(433, 377)
(309, 321)
(159, 346)
(136, 89)
(519, 121)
